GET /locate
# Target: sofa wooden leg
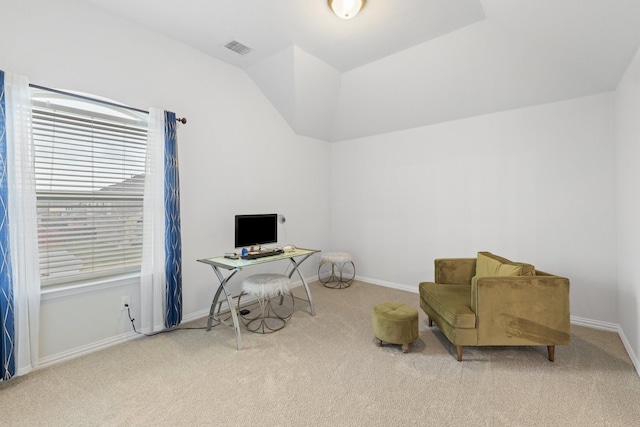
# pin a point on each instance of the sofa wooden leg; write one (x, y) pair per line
(552, 352)
(459, 352)
(430, 322)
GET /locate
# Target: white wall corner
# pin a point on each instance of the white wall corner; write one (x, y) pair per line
(627, 345)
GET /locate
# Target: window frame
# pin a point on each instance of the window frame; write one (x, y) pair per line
(100, 201)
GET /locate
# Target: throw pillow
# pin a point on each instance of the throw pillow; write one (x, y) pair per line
(488, 264)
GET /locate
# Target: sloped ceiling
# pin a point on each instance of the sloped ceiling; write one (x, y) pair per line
(405, 63)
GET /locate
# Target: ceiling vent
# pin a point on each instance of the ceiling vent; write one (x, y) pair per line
(238, 47)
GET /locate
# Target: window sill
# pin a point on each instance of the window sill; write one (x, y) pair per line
(62, 291)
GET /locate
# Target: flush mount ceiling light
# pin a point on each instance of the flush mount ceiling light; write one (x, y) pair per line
(346, 9)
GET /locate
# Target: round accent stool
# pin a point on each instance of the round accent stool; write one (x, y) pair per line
(342, 273)
(271, 315)
(395, 323)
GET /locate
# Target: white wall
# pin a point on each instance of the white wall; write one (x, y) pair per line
(237, 154)
(628, 177)
(535, 184)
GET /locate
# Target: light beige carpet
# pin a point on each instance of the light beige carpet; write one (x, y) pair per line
(326, 371)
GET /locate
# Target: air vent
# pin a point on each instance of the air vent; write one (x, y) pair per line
(238, 47)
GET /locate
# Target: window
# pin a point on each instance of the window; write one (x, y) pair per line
(90, 163)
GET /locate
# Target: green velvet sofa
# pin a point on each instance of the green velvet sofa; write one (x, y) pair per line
(491, 301)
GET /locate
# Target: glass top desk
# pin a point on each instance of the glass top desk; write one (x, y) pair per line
(295, 257)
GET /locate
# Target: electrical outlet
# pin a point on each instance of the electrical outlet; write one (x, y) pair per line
(125, 302)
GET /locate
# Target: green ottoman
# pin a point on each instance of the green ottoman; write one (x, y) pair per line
(395, 323)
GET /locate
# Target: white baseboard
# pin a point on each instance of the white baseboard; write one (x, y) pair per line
(101, 345)
(392, 285)
(104, 344)
(86, 349)
(119, 339)
(595, 324)
(610, 327)
(575, 320)
(627, 346)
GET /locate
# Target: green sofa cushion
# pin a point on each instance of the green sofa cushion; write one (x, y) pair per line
(451, 302)
(489, 264)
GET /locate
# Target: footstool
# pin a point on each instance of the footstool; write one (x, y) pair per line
(264, 288)
(395, 323)
(343, 270)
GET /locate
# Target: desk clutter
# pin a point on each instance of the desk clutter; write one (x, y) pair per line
(261, 254)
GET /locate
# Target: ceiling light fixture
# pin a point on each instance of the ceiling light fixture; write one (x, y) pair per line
(346, 9)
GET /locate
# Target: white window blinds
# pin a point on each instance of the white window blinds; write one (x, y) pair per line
(90, 160)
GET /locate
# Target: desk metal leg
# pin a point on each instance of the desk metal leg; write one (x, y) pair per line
(213, 308)
(234, 315)
(304, 282)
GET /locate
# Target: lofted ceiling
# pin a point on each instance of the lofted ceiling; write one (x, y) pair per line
(405, 63)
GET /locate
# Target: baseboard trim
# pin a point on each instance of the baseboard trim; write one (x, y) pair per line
(610, 327)
(86, 349)
(575, 320)
(595, 324)
(386, 284)
(627, 346)
(128, 336)
(104, 344)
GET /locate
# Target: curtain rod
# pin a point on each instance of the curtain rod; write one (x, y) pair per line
(182, 120)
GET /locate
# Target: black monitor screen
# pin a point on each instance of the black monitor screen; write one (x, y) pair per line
(254, 230)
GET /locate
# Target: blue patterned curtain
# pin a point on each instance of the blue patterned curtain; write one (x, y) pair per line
(7, 351)
(173, 242)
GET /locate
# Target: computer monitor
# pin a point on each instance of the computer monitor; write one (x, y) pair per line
(255, 230)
